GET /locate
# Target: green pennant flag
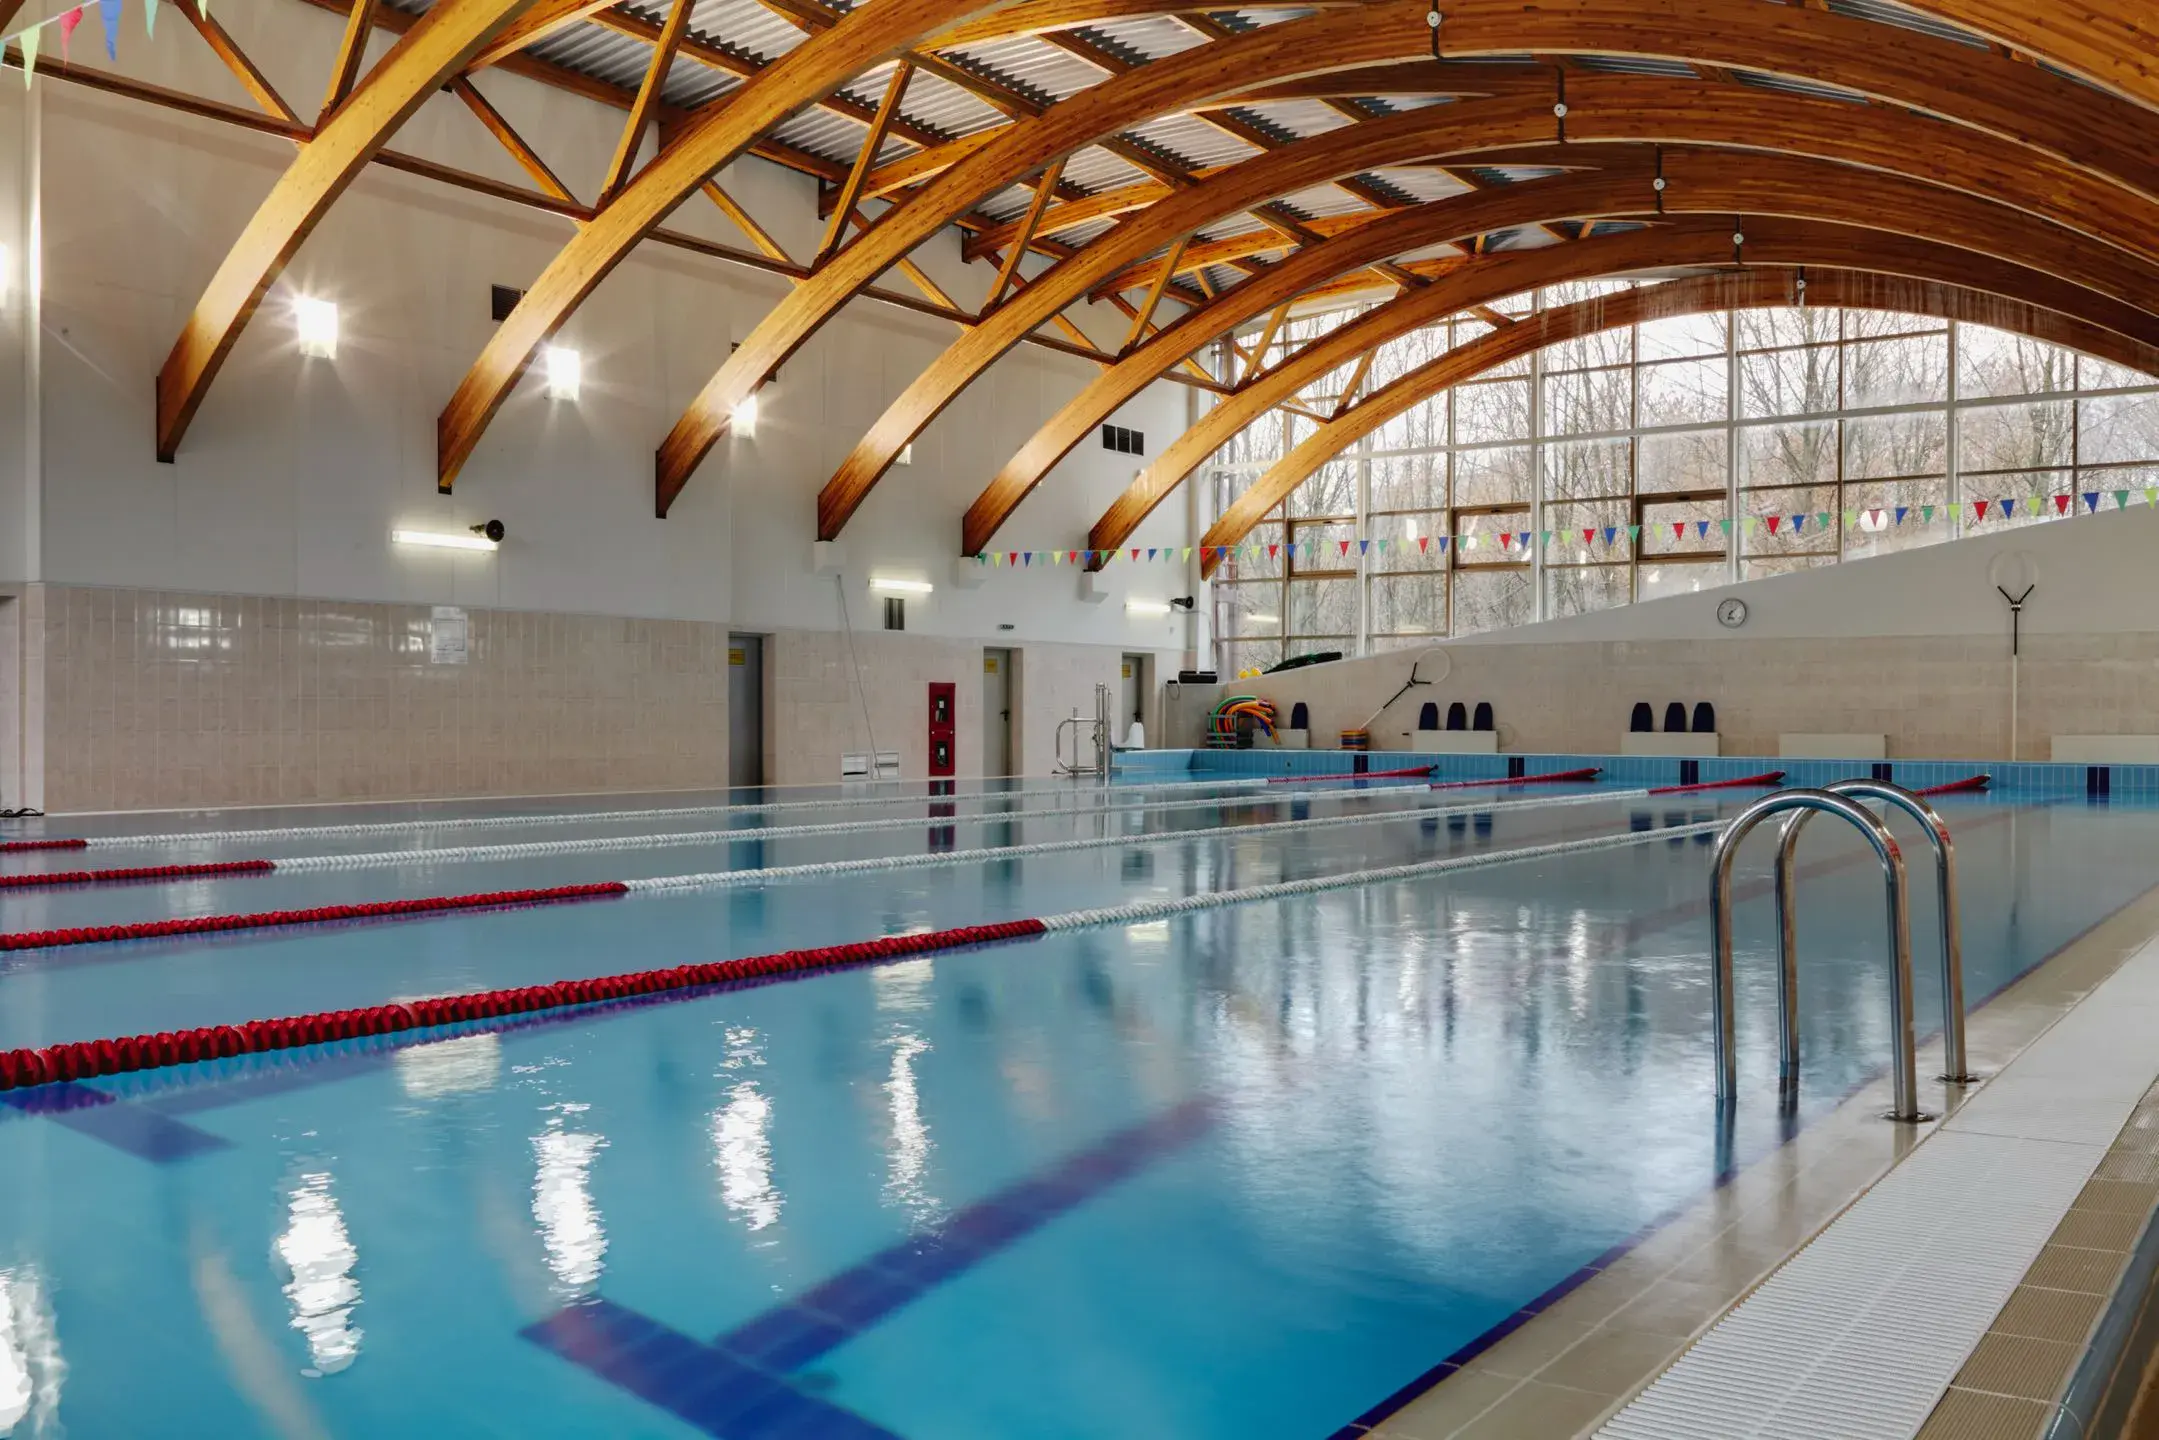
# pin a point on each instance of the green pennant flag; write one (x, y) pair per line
(1822, 519)
(149, 18)
(29, 39)
(2151, 496)
(1634, 532)
(1926, 514)
(1187, 555)
(1851, 519)
(1725, 524)
(1547, 537)
(2121, 499)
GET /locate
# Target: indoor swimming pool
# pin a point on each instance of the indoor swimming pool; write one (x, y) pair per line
(1260, 1170)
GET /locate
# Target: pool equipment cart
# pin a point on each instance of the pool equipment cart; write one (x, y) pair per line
(1954, 1067)
(1904, 1064)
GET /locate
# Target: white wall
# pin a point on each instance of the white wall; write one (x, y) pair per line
(295, 470)
(1913, 646)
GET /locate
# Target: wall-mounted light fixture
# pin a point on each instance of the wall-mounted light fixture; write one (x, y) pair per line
(439, 540)
(893, 585)
(565, 372)
(743, 419)
(315, 321)
(1152, 608)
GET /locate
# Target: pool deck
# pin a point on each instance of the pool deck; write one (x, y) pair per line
(1643, 1339)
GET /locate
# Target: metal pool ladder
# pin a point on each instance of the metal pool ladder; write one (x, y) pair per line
(1839, 800)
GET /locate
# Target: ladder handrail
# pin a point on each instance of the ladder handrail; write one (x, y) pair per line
(1904, 1066)
(1954, 1063)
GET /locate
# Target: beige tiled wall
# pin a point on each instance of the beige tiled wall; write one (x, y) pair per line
(160, 699)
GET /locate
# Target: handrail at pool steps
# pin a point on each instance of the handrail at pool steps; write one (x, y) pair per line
(1954, 1067)
(1904, 1065)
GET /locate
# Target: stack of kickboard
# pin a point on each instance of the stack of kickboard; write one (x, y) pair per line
(1356, 739)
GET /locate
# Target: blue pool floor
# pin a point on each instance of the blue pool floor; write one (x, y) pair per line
(1245, 1173)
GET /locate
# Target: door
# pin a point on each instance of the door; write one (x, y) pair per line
(745, 710)
(1131, 698)
(996, 712)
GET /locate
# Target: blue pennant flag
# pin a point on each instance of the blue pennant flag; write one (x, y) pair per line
(1611, 533)
(1701, 529)
(1364, 547)
(2009, 507)
(108, 14)
(1799, 522)
(1902, 511)
(2091, 501)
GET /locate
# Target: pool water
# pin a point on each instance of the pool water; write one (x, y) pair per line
(1245, 1173)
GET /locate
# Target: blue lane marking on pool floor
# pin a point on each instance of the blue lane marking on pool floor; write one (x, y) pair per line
(736, 1388)
(135, 1129)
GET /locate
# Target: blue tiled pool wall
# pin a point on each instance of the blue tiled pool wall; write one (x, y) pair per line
(2021, 778)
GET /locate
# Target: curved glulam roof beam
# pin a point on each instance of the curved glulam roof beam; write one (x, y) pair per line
(1988, 91)
(1602, 110)
(1390, 30)
(429, 55)
(717, 134)
(2114, 43)
(1769, 241)
(1767, 289)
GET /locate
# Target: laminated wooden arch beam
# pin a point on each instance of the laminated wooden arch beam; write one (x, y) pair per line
(867, 37)
(2114, 43)
(429, 55)
(2005, 97)
(1604, 109)
(1341, 39)
(1753, 289)
(1690, 242)
(1190, 80)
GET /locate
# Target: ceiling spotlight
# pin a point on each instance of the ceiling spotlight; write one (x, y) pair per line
(316, 323)
(494, 530)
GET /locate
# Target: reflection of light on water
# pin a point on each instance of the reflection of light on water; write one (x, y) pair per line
(470, 1062)
(905, 986)
(320, 1255)
(30, 1365)
(910, 1157)
(562, 1202)
(1148, 932)
(741, 1138)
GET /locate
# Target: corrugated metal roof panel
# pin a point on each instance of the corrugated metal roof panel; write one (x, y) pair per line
(1301, 118)
(1146, 37)
(1790, 86)
(1888, 13)
(1193, 143)
(1032, 65)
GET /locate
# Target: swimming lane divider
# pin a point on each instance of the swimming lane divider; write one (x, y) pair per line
(87, 1059)
(1557, 777)
(665, 840)
(1750, 782)
(733, 879)
(598, 817)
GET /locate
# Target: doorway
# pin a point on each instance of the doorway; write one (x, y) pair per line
(1131, 697)
(996, 713)
(745, 711)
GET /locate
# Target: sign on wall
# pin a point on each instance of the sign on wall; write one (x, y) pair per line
(446, 636)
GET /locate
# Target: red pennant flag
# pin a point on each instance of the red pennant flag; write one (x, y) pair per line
(1679, 529)
(1424, 545)
(1274, 552)
(1506, 539)
(68, 22)
(1135, 552)
(1012, 557)
(1589, 537)
(2061, 504)
(1981, 507)
(1345, 546)
(1774, 522)
(1071, 557)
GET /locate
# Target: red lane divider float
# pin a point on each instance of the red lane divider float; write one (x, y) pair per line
(1767, 778)
(138, 872)
(1970, 786)
(317, 915)
(1412, 772)
(84, 1059)
(10, 847)
(1557, 777)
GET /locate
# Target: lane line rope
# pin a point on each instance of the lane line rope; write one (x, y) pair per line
(87, 1059)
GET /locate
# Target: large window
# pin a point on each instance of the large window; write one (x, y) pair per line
(1654, 460)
